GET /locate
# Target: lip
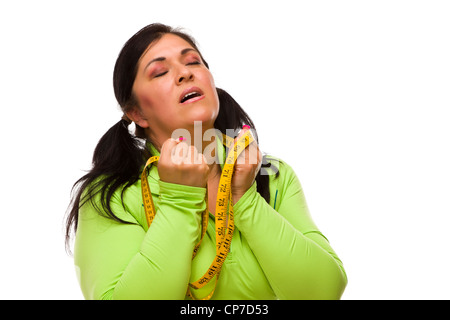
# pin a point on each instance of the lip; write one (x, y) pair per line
(189, 90)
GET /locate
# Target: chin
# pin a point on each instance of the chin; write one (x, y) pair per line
(206, 115)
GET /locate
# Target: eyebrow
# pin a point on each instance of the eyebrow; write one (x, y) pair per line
(183, 52)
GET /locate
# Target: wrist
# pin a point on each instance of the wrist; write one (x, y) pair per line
(246, 201)
(235, 197)
(238, 194)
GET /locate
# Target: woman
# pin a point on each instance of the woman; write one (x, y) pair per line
(163, 84)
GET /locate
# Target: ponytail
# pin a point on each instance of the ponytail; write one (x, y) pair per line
(117, 161)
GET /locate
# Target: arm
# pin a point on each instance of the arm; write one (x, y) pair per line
(123, 261)
(297, 259)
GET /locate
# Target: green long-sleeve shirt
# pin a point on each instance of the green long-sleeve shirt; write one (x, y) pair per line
(277, 252)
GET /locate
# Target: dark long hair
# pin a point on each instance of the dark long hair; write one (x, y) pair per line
(119, 156)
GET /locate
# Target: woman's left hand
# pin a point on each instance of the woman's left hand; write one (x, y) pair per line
(247, 166)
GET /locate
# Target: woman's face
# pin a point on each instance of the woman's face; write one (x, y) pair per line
(173, 89)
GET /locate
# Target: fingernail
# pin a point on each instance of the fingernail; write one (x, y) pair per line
(245, 126)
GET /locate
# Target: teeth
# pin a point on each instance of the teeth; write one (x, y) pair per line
(190, 94)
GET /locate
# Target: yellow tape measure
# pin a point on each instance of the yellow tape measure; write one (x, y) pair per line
(224, 204)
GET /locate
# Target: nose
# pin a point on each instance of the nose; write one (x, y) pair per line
(185, 75)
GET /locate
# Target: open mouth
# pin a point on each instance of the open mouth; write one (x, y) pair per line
(191, 95)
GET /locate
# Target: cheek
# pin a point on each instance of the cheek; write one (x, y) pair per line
(211, 81)
(152, 99)
(214, 91)
(208, 81)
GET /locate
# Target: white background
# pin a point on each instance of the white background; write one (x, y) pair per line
(353, 94)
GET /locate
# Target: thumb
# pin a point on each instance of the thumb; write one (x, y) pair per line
(245, 128)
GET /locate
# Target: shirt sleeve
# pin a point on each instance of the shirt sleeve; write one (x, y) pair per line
(124, 261)
(295, 256)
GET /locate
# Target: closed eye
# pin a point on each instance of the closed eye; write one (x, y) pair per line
(160, 74)
(188, 64)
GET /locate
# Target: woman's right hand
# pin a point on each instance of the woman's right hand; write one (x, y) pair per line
(181, 163)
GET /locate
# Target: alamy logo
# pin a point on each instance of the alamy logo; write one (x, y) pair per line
(268, 168)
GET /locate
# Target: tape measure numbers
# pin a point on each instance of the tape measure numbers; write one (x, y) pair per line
(224, 204)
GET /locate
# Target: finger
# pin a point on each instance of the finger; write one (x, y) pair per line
(245, 129)
(249, 155)
(192, 156)
(201, 159)
(168, 147)
(244, 157)
(198, 157)
(180, 152)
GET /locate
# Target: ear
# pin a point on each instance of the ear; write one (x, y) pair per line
(135, 115)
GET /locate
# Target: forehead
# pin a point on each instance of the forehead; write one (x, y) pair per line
(168, 45)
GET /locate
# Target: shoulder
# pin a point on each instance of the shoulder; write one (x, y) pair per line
(283, 180)
(287, 196)
(277, 169)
